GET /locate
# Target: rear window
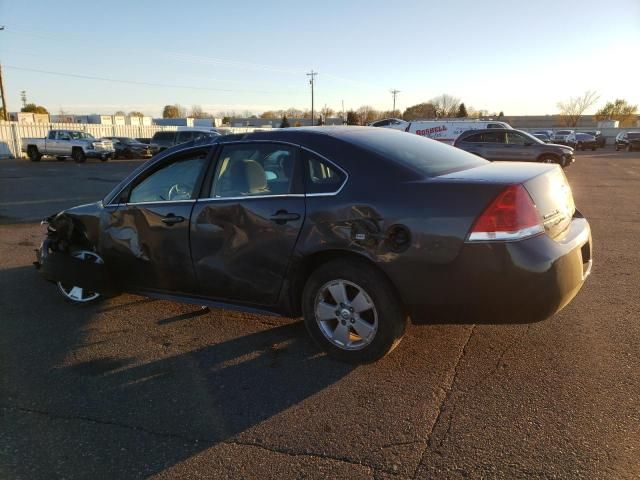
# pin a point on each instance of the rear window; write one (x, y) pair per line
(633, 135)
(420, 154)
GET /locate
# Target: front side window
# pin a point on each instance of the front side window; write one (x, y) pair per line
(255, 169)
(321, 176)
(172, 182)
(514, 138)
(475, 138)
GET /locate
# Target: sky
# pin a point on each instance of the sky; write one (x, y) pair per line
(518, 57)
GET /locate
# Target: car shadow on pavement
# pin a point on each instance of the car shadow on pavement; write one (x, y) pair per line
(133, 417)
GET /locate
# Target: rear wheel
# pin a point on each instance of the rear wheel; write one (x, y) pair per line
(33, 153)
(351, 311)
(77, 294)
(79, 156)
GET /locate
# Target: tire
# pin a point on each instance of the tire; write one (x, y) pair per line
(78, 155)
(579, 146)
(60, 159)
(33, 153)
(593, 149)
(617, 148)
(78, 295)
(104, 159)
(549, 159)
(366, 325)
(629, 147)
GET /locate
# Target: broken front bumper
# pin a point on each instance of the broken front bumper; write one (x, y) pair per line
(62, 267)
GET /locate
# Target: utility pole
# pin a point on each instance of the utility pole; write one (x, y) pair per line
(343, 119)
(23, 97)
(312, 74)
(5, 111)
(395, 93)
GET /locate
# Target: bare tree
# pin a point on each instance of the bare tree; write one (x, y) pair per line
(445, 105)
(368, 114)
(198, 112)
(572, 109)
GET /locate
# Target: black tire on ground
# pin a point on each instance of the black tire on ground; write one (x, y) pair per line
(104, 159)
(78, 155)
(392, 320)
(550, 159)
(33, 153)
(60, 159)
(629, 147)
(617, 148)
(593, 149)
(579, 146)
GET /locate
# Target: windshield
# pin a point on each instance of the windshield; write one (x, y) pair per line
(127, 140)
(80, 135)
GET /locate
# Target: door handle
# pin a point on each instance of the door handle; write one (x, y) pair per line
(172, 219)
(282, 216)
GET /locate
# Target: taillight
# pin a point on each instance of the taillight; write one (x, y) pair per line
(511, 216)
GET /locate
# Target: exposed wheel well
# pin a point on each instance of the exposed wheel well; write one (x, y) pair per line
(310, 263)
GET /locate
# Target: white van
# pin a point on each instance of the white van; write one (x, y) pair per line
(448, 130)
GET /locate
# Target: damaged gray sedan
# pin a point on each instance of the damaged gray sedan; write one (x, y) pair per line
(355, 229)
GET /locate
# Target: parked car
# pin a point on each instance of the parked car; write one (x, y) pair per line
(68, 143)
(542, 137)
(513, 145)
(628, 141)
(395, 123)
(447, 131)
(354, 228)
(168, 138)
(601, 140)
(560, 136)
(546, 133)
(581, 141)
(126, 147)
(146, 140)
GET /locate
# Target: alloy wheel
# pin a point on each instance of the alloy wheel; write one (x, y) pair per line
(346, 315)
(78, 294)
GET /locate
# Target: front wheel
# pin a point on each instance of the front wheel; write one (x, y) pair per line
(79, 156)
(79, 295)
(549, 159)
(33, 153)
(351, 311)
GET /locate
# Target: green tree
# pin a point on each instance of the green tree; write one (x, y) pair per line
(226, 120)
(462, 111)
(619, 110)
(285, 122)
(173, 111)
(421, 110)
(501, 114)
(33, 108)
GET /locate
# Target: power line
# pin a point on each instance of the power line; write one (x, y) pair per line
(131, 82)
(312, 74)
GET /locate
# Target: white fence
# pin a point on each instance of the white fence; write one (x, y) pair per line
(12, 133)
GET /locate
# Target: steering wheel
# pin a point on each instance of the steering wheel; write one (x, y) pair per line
(179, 192)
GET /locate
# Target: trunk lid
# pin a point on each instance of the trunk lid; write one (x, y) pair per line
(546, 183)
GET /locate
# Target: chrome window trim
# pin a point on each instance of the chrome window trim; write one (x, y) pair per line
(249, 197)
(162, 202)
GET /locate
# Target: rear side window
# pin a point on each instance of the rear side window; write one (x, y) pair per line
(184, 137)
(321, 176)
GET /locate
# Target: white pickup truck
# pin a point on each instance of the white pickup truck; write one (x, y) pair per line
(68, 143)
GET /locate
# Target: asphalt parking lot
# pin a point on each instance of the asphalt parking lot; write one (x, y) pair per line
(136, 388)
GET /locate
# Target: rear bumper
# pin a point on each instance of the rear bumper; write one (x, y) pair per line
(510, 282)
